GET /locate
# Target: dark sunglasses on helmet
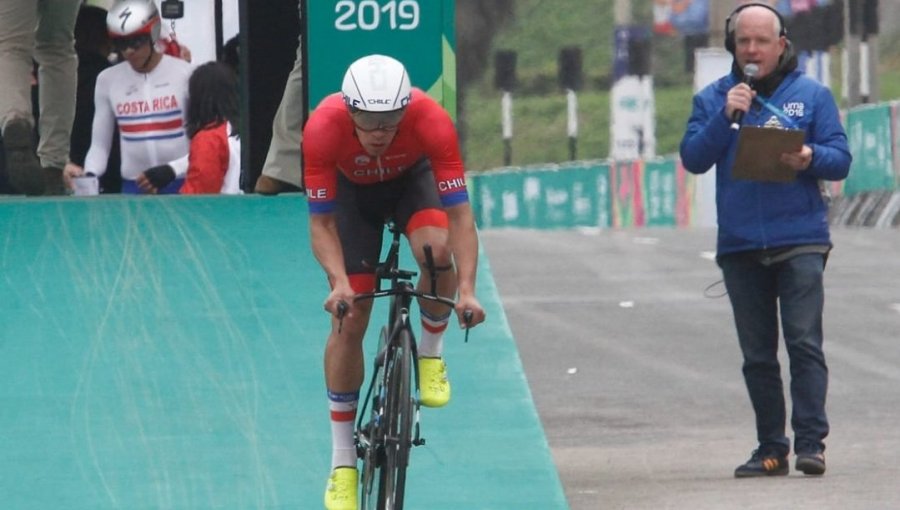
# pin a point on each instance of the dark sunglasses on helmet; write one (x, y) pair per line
(133, 42)
(376, 121)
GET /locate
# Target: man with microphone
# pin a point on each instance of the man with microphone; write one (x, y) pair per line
(773, 237)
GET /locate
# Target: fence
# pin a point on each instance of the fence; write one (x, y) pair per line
(660, 193)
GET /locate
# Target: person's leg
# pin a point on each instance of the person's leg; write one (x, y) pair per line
(284, 157)
(343, 379)
(58, 80)
(752, 291)
(429, 227)
(18, 19)
(423, 219)
(360, 236)
(802, 298)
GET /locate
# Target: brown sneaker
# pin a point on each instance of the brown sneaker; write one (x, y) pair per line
(22, 165)
(266, 185)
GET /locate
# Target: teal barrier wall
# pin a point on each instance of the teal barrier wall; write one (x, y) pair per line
(660, 193)
(869, 130)
(556, 196)
(583, 194)
(661, 186)
(166, 353)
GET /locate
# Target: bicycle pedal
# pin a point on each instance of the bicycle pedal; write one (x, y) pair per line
(419, 442)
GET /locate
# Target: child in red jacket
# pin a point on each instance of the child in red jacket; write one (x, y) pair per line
(214, 164)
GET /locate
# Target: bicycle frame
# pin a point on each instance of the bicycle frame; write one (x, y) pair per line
(386, 433)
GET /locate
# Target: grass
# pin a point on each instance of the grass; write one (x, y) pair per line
(539, 30)
(539, 127)
(539, 123)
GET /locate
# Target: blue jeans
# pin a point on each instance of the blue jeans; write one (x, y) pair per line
(757, 290)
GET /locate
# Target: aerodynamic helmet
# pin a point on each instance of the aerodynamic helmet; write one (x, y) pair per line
(376, 83)
(131, 18)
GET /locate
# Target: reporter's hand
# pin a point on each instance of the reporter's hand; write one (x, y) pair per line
(154, 179)
(740, 97)
(800, 160)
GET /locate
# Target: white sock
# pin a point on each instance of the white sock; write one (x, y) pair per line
(431, 344)
(343, 414)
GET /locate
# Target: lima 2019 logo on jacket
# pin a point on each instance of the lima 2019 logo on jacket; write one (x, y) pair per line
(793, 109)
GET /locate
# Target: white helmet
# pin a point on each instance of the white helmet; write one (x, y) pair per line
(376, 83)
(128, 18)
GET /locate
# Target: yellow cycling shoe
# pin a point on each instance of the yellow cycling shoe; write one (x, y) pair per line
(434, 387)
(340, 494)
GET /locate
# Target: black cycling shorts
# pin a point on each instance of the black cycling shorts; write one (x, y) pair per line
(363, 210)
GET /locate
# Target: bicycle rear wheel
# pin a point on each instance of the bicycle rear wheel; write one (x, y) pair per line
(398, 420)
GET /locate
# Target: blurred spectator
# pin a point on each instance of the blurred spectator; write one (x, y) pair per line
(282, 168)
(214, 162)
(41, 32)
(231, 55)
(145, 96)
(94, 50)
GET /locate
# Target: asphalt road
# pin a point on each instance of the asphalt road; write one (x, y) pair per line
(630, 352)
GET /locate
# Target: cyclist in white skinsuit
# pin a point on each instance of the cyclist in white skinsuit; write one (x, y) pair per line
(146, 97)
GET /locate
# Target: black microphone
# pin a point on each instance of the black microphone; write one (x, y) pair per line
(750, 71)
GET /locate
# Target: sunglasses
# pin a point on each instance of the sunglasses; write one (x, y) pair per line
(368, 122)
(130, 43)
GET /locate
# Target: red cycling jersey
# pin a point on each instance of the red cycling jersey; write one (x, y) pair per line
(425, 131)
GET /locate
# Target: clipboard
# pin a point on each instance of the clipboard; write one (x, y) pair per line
(759, 152)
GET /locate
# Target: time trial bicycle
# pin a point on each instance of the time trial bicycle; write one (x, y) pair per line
(388, 424)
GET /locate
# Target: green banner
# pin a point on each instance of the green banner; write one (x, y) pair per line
(419, 33)
(572, 195)
(869, 135)
(660, 192)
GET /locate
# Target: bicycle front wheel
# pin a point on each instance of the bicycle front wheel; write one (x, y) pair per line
(370, 434)
(398, 418)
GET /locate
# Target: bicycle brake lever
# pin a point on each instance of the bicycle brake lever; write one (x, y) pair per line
(342, 308)
(467, 318)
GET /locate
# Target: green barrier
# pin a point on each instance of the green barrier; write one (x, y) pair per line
(660, 191)
(552, 197)
(582, 194)
(419, 33)
(869, 135)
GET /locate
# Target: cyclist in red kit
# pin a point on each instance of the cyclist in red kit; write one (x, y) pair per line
(381, 150)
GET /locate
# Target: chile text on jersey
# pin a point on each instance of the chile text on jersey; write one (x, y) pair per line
(330, 146)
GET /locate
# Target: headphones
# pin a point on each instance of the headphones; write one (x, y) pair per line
(729, 29)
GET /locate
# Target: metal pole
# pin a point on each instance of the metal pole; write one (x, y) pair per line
(572, 124)
(507, 126)
(872, 43)
(622, 12)
(851, 57)
(718, 13)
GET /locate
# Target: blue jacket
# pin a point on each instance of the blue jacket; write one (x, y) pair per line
(756, 215)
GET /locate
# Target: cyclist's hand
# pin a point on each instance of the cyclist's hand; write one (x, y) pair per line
(340, 299)
(469, 312)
